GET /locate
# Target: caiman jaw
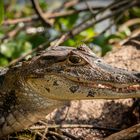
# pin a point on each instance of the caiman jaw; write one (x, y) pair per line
(118, 89)
(115, 87)
(71, 74)
(61, 88)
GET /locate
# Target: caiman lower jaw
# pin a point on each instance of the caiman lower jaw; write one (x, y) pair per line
(121, 89)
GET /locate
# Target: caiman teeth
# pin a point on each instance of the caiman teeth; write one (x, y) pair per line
(124, 89)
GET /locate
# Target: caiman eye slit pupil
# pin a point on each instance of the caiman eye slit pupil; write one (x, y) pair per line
(74, 59)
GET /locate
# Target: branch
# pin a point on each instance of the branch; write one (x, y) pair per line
(46, 15)
(63, 126)
(69, 4)
(129, 134)
(71, 136)
(89, 7)
(113, 5)
(39, 12)
(59, 136)
(66, 5)
(129, 23)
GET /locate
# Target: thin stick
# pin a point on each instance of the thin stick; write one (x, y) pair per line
(63, 126)
(46, 15)
(71, 136)
(61, 137)
(39, 12)
(129, 134)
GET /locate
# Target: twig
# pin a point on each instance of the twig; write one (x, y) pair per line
(45, 132)
(113, 5)
(46, 15)
(66, 5)
(63, 126)
(39, 12)
(129, 134)
(61, 137)
(89, 7)
(41, 135)
(129, 23)
(70, 3)
(71, 136)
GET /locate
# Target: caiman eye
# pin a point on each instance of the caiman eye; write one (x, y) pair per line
(74, 59)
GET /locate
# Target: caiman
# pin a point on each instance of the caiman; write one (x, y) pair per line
(34, 88)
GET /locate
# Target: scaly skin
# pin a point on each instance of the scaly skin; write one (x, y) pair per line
(36, 87)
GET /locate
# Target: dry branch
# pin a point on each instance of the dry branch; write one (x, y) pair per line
(126, 134)
(46, 15)
(63, 126)
(39, 12)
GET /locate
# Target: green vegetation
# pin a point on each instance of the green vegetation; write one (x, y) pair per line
(19, 38)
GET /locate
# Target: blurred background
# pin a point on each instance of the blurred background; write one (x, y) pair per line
(29, 26)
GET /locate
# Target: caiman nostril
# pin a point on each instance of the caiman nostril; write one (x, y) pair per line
(119, 78)
(137, 75)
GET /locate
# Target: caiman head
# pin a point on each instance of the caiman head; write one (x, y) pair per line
(67, 73)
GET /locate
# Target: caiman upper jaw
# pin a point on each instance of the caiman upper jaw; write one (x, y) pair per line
(114, 79)
(124, 88)
(117, 76)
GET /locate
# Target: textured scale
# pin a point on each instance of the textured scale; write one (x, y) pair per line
(31, 90)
